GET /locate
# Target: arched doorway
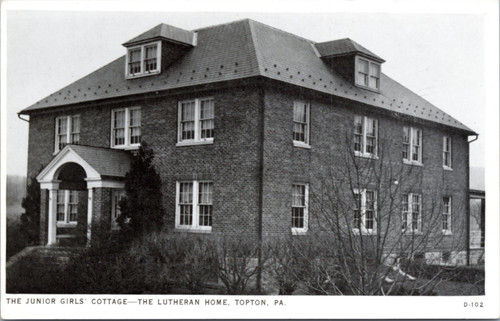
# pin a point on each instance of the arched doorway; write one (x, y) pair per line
(71, 205)
(79, 187)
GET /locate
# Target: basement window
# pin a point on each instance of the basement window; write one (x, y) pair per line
(367, 73)
(143, 60)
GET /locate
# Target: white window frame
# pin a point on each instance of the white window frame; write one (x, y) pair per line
(116, 197)
(307, 131)
(302, 230)
(369, 75)
(447, 215)
(409, 215)
(66, 222)
(447, 153)
(362, 218)
(69, 131)
(143, 72)
(197, 140)
(363, 152)
(412, 132)
(126, 144)
(195, 226)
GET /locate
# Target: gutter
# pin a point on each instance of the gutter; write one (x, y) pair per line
(477, 137)
(19, 116)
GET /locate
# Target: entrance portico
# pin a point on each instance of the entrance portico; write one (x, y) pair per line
(77, 189)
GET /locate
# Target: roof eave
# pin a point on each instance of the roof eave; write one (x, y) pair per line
(354, 53)
(157, 38)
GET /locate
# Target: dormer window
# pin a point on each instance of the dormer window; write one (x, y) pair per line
(367, 73)
(143, 60)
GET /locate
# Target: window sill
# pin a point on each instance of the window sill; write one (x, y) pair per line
(65, 225)
(414, 163)
(127, 147)
(446, 168)
(356, 231)
(365, 155)
(151, 73)
(375, 90)
(447, 233)
(195, 142)
(411, 233)
(198, 230)
(299, 231)
(301, 144)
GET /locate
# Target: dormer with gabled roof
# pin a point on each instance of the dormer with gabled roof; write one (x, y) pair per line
(354, 62)
(155, 49)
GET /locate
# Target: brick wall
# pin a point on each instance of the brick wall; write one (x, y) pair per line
(232, 162)
(331, 154)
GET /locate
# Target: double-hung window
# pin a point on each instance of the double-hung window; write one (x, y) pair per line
(194, 209)
(447, 152)
(446, 215)
(367, 73)
(67, 208)
(301, 124)
(196, 122)
(300, 208)
(412, 145)
(143, 60)
(365, 211)
(67, 131)
(116, 197)
(126, 127)
(412, 213)
(365, 136)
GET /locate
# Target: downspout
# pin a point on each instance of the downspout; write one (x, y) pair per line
(467, 205)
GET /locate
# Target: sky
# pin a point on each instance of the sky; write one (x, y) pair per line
(440, 56)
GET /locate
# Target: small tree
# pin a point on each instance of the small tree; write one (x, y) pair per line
(30, 219)
(141, 209)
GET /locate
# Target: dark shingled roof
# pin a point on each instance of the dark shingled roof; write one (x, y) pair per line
(344, 47)
(166, 32)
(243, 49)
(106, 161)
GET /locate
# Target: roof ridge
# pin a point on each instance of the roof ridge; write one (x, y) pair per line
(220, 24)
(282, 31)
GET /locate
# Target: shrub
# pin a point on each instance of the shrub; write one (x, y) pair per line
(141, 209)
(30, 220)
(183, 260)
(238, 264)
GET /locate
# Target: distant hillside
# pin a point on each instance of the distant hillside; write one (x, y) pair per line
(477, 179)
(16, 189)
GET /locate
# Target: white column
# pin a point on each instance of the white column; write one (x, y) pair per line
(90, 205)
(51, 237)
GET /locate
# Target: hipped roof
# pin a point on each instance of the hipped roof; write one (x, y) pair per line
(244, 49)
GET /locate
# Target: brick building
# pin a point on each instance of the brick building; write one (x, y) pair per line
(248, 124)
